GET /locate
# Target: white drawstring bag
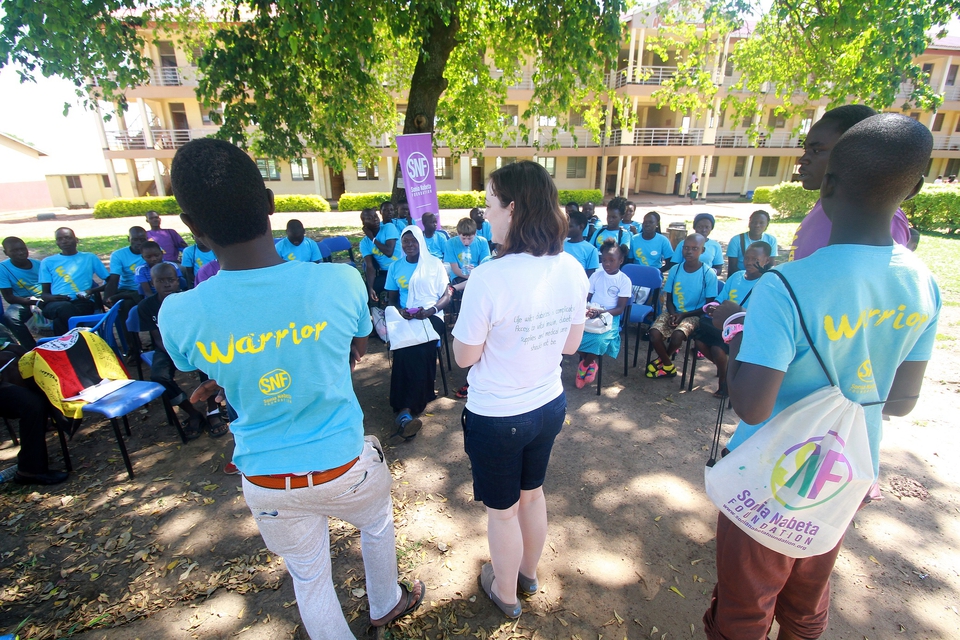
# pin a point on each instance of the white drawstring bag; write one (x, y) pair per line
(407, 333)
(795, 485)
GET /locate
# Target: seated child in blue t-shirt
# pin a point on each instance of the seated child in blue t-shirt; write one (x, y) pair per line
(465, 251)
(737, 247)
(483, 227)
(403, 218)
(611, 290)
(378, 248)
(152, 255)
(435, 237)
(193, 259)
(297, 246)
(712, 255)
(737, 288)
(575, 245)
(613, 230)
(650, 247)
(690, 285)
(629, 209)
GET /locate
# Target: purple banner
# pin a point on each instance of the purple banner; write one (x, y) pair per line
(416, 162)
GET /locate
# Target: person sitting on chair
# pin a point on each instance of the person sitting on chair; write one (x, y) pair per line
(378, 248)
(296, 246)
(417, 286)
(22, 399)
(194, 257)
(152, 256)
(67, 281)
(435, 237)
(169, 240)
(20, 287)
(690, 285)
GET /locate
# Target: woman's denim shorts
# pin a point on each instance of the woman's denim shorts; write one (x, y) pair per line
(510, 454)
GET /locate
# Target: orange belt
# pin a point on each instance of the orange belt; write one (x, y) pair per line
(290, 481)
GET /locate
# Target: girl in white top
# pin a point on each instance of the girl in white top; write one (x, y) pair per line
(521, 312)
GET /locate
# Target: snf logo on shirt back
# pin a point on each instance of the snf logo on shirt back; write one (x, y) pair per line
(811, 472)
(275, 382)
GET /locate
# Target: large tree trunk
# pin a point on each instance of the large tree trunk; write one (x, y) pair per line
(428, 82)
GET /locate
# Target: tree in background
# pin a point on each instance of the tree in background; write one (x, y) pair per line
(323, 75)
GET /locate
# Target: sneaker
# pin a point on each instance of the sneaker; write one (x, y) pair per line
(591, 374)
(580, 379)
(231, 469)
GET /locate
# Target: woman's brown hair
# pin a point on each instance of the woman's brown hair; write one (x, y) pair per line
(537, 225)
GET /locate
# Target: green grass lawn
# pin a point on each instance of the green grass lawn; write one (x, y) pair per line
(940, 252)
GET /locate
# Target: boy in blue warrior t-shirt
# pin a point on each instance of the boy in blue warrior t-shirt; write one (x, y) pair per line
(874, 327)
(483, 227)
(629, 209)
(297, 246)
(286, 368)
(650, 247)
(378, 248)
(66, 280)
(759, 221)
(689, 286)
(575, 245)
(435, 237)
(465, 251)
(403, 219)
(194, 257)
(20, 287)
(712, 255)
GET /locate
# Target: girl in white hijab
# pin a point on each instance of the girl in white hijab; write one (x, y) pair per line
(417, 286)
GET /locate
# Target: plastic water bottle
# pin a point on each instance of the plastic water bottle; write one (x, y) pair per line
(6, 476)
(467, 260)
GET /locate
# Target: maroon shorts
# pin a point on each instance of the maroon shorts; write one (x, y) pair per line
(756, 584)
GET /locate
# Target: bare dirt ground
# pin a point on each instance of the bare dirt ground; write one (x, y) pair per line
(175, 554)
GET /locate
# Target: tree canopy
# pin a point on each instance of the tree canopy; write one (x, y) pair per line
(324, 76)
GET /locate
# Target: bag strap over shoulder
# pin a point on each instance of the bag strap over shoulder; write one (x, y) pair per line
(803, 325)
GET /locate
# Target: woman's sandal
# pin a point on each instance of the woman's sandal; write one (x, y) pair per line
(721, 392)
(486, 583)
(462, 391)
(216, 425)
(410, 599)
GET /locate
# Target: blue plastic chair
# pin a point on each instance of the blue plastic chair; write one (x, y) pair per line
(647, 311)
(340, 243)
(103, 324)
(325, 253)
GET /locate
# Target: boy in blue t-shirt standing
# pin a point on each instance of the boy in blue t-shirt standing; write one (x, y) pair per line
(690, 285)
(286, 369)
(585, 253)
(874, 329)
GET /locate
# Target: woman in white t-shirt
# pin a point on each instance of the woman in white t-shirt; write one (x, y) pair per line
(610, 291)
(521, 312)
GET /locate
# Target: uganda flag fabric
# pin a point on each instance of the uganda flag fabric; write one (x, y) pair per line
(64, 367)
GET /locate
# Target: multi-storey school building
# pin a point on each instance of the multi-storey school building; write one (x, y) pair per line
(657, 156)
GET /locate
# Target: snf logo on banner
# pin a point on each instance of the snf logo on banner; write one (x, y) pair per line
(418, 167)
(811, 472)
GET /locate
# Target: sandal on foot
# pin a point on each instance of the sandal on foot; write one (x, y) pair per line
(410, 599)
(486, 583)
(581, 374)
(407, 428)
(462, 391)
(527, 586)
(721, 392)
(193, 428)
(653, 366)
(216, 425)
(664, 372)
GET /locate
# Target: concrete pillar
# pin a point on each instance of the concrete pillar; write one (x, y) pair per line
(317, 178)
(626, 177)
(101, 132)
(638, 61)
(639, 174)
(464, 163)
(705, 182)
(148, 137)
(603, 151)
(633, 42)
(940, 89)
(616, 190)
(391, 162)
(746, 176)
(685, 176)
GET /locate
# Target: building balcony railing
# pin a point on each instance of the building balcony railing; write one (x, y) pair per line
(740, 140)
(655, 137)
(952, 93)
(946, 142)
(172, 76)
(525, 81)
(651, 76)
(162, 138)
